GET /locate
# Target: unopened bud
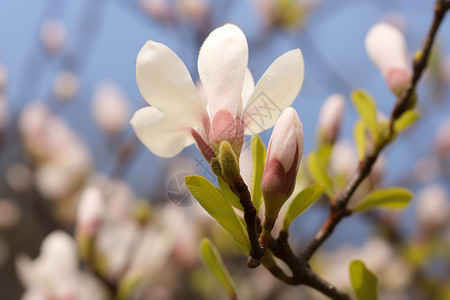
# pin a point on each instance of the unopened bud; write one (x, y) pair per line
(330, 118)
(229, 164)
(283, 158)
(386, 47)
(90, 213)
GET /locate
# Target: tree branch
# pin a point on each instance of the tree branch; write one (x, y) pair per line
(340, 209)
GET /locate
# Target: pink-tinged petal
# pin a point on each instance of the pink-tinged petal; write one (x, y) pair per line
(276, 90)
(222, 63)
(164, 136)
(386, 47)
(287, 137)
(247, 89)
(166, 84)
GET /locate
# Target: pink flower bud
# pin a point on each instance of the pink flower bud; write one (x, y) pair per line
(53, 35)
(283, 158)
(90, 210)
(331, 116)
(386, 47)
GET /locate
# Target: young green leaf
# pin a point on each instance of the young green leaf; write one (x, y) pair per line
(359, 133)
(363, 281)
(211, 257)
(391, 198)
(213, 201)
(229, 195)
(258, 162)
(367, 109)
(319, 173)
(408, 118)
(302, 202)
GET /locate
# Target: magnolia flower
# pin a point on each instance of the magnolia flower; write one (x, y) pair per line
(178, 116)
(330, 118)
(386, 47)
(284, 154)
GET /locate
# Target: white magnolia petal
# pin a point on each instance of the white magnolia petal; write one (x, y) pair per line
(164, 136)
(275, 91)
(248, 87)
(386, 47)
(166, 84)
(222, 62)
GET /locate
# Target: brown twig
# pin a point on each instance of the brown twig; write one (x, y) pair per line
(250, 215)
(340, 211)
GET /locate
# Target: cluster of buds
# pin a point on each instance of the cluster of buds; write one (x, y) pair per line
(62, 160)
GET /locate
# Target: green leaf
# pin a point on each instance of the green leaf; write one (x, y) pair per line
(363, 281)
(359, 133)
(367, 109)
(229, 195)
(211, 257)
(408, 118)
(319, 174)
(258, 162)
(302, 202)
(324, 153)
(213, 201)
(391, 198)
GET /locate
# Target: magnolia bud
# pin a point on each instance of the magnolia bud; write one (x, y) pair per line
(386, 47)
(90, 213)
(65, 86)
(229, 164)
(283, 158)
(330, 118)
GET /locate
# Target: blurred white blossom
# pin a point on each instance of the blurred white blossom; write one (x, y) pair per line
(110, 108)
(19, 177)
(65, 86)
(55, 274)
(157, 9)
(442, 138)
(53, 35)
(63, 161)
(331, 115)
(433, 206)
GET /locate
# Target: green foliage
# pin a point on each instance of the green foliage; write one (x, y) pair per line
(213, 261)
(408, 118)
(229, 164)
(319, 173)
(391, 198)
(363, 281)
(214, 202)
(258, 162)
(127, 287)
(302, 202)
(229, 195)
(367, 109)
(359, 133)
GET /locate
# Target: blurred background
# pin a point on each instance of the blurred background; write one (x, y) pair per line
(68, 91)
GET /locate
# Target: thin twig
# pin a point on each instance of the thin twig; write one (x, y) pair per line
(340, 211)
